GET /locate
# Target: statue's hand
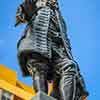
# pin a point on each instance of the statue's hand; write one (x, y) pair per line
(19, 20)
(20, 16)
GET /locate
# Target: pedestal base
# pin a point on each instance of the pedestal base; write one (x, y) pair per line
(42, 96)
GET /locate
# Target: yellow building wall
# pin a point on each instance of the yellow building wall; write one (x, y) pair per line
(25, 87)
(8, 75)
(9, 82)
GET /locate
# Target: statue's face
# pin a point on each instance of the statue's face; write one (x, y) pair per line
(44, 2)
(41, 2)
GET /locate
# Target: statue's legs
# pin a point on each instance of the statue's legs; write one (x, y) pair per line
(67, 70)
(66, 73)
(38, 71)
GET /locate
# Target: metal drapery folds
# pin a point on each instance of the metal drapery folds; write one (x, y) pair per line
(37, 40)
(40, 30)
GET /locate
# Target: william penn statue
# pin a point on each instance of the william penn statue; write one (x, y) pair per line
(44, 50)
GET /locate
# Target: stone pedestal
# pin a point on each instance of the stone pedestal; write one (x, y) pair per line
(42, 96)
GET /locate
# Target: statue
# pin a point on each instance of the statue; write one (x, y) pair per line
(44, 51)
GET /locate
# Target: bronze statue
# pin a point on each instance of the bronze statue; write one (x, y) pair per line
(44, 50)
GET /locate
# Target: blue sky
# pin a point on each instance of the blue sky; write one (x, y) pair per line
(82, 18)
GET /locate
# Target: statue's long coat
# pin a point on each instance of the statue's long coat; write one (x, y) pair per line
(42, 34)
